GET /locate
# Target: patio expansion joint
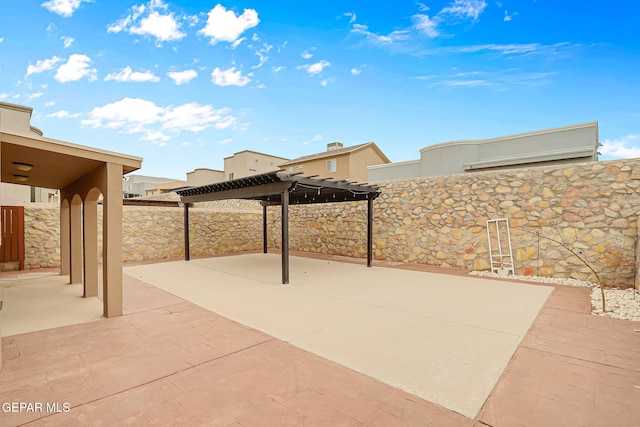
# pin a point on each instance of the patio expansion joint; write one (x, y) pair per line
(232, 274)
(459, 323)
(564, 356)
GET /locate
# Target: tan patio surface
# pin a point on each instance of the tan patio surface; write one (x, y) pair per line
(446, 339)
(170, 362)
(37, 301)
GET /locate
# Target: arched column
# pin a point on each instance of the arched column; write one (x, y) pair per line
(65, 236)
(90, 243)
(76, 239)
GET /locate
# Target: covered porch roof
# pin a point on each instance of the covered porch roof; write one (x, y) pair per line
(53, 163)
(81, 174)
(280, 188)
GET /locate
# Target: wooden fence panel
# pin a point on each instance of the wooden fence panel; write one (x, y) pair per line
(12, 223)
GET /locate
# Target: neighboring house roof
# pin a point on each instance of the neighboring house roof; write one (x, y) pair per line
(340, 151)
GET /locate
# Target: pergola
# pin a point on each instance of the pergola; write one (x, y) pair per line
(284, 189)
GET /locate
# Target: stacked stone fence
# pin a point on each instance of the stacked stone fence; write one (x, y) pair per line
(590, 208)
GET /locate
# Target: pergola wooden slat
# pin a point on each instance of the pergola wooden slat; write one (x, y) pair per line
(284, 189)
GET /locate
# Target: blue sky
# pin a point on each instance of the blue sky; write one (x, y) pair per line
(184, 84)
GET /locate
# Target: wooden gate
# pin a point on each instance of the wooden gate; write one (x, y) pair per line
(12, 223)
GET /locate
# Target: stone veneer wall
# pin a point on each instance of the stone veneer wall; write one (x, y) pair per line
(150, 233)
(591, 207)
(41, 235)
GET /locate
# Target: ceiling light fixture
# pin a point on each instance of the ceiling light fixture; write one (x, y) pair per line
(20, 178)
(23, 166)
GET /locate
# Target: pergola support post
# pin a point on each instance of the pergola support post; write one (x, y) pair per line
(265, 245)
(187, 251)
(369, 230)
(285, 237)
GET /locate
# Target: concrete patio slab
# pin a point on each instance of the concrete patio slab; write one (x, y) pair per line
(446, 339)
(37, 301)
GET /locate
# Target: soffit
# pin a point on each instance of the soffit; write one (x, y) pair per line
(56, 164)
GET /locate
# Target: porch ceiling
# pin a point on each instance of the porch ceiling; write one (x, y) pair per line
(56, 164)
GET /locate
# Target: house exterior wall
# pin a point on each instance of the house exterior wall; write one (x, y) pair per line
(204, 176)
(358, 162)
(350, 165)
(319, 167)
(137, 185)
(247, 163)
(18, 195)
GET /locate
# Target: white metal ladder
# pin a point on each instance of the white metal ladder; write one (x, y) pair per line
(499, 239)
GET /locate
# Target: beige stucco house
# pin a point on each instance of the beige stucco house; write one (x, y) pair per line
(339, 162)
(82, 174)
(247, 163)
(239, 165)
(14, 194)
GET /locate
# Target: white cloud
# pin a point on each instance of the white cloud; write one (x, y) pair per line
(236, 43)
(423, 24)
(316, 138)
(465, 83)
(147, 21)
(325, 82)
(162, 27)
(278, 68)
(182, 77)
(43, 65)
(128, 75)
(1, 39)
(465, 8)
(306, 54)
(229, 77)
(195, 117)
(394, 36)
(225, 141)
(63, 8)
(63, 114)
(626, 147)
(515, 49)
(355, 71)
(135, 115)
(426, 25)
(351, 16)
(156, 136)
(508, 17)
(225, 25)
(33, 96)
(262, 54)
(315, 68)
(76, 68)
(49, 104)
(67, 41)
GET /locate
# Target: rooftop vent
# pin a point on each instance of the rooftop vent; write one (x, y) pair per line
(334, 146)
